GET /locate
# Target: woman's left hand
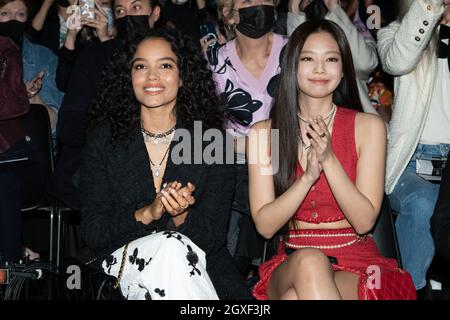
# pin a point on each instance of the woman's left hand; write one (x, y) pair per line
(177, 199)
(320, 139)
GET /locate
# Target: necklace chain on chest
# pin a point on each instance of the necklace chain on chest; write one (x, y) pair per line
(329, 116)
(156, 138)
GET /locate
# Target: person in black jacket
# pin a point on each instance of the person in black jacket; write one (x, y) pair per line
(155, 208)
(440, 222)
(132, 20)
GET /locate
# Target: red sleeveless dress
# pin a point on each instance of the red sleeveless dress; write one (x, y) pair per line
(379, 278)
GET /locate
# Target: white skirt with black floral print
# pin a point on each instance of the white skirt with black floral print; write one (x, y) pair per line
(162, 266)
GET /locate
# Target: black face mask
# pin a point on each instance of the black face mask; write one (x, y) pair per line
(64, 3)
(316, 10)
(13, 29)
(131, 28)
(256, 21)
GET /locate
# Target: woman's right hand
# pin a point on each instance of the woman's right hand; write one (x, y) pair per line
(34, 86)
(313, 167)
(156, 209)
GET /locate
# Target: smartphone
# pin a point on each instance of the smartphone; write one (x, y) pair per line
(208, 29)
(87, 8)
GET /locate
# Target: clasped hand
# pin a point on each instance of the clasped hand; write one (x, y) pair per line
(173, 199)
(320, 147)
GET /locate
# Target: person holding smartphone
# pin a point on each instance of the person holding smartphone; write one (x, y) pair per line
(320, 182)
(39, 63)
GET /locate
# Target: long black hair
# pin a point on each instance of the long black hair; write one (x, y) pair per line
(286, 102)
(117, 106)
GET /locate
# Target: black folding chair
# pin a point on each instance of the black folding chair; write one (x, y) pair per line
(384, 233)
(36, 124)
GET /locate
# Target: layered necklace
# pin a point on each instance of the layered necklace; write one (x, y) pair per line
(329, 116)
(156, 138)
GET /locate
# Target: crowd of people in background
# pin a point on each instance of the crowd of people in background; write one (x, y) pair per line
(358, 90)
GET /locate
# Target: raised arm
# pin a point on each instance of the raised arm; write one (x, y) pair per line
(269, 213)
(364, 50)
(401, 45)
(41, 15)
(295, 16)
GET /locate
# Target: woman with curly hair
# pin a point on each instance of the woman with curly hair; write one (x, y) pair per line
(152, 220)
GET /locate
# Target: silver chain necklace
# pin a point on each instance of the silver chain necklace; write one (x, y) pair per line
(156, 138)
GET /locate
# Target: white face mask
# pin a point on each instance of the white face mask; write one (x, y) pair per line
(180, 2)
(110, 16)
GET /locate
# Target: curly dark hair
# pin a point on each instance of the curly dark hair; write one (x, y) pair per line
(116, 105)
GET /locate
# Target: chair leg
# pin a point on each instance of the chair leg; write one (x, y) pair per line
(58, 239)
(52, 215)
(50, 281)
(264, 251)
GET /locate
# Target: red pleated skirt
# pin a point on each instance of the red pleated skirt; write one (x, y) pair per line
(379, 278)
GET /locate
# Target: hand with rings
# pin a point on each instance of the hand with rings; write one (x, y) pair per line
(176, 199)
(320, 139)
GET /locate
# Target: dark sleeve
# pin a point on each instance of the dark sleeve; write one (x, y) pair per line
(207, 221)
(32, 34)
(440, 222)
(13, 94)
(104, 226)
(79, 94)
(66, 63)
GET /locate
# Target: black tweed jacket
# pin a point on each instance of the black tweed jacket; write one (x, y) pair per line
(116, 181)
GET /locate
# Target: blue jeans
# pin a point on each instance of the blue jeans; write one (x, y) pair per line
(414, 199)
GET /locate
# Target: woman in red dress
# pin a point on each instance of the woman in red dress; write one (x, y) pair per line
(327, 187)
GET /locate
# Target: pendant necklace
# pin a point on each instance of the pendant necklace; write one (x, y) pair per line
(157, 172)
